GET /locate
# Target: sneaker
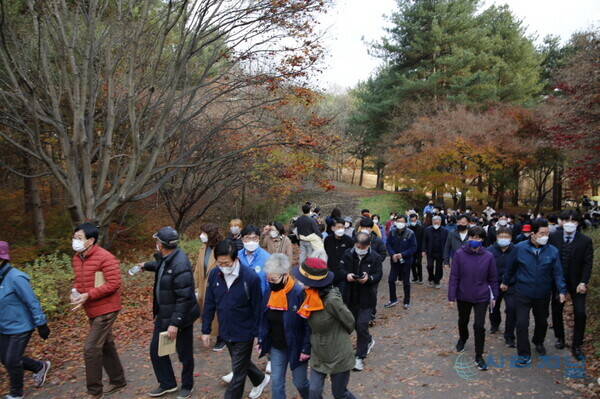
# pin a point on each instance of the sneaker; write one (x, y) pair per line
(481, 364)
(268, 367)
(227, 378)
(414, 280)
(420, 281)
(438, 286)
(258, 390)
(430, 283)
(493, 330)
(371, 345)
(577, 352)
(160, 391)
(540, 349)
(185, 393)
(390, 304)
(510, 342)
(359, 364)
(39, 378)
(560, 344)
(460, 345)
(111, 388)
(523, 361)
(13, 397)
(219, 346)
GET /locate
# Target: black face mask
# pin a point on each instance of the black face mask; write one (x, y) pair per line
(277, 286)
(461, 227)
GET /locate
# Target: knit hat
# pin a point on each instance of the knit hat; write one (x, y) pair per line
(313, 272)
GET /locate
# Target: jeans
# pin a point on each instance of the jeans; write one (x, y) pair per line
(339, 385)
(163, 368)
(399, 270)
(242, 366)
(362, 318)
(279, 363)
(464, 314)
(12, 348)
(99, 351)
(417, 266)
(539, 306)
(435, 269)
(578, 313)
(305, 250)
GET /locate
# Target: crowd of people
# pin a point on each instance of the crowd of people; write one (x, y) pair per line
(252, 295)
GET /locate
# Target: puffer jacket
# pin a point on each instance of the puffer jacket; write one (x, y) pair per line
(106, 298)
(174, 301)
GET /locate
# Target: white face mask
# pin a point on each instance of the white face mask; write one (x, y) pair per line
(78, 245)
(375, 220)
(204, 238)
(368, 231)
(346, 225)
(570, 227)
(235, 230)
(436, 226)
(274, 233)
(392, 217)
(227, 270)
(502, 222)
(542, 240)
(400, 225)
(526, 234)
(361, 252)
(157, 248)
(339, 232)
(251, 246)
(471, 225)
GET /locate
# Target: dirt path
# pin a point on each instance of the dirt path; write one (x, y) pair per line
(413, 356)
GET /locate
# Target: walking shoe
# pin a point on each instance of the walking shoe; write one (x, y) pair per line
(414, 280)
(523, 361)
(113, 388)
(390, 304)
(258, 390)
(510, 342)
(407, 306)
(268, 367)
(420, 281)
(39, 378)
(227, 378)
(577, 352)
(160, 391)
(493, 330)
(540, 349)
(560, 344)
(371, 345)
(219, 346)
(430, 283)
(460, 345)
(99, 396)
(438, 286)
(481, 364)
(359, 364)
(13, 397)
(185, 393)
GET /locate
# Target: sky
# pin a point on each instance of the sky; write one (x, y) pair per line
(351, 23)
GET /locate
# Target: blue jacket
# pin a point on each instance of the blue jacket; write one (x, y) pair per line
(472, 276)
(238, 307)
(535, 270)
(297, 331)
(20, 308)
(260, 257)
(503, 259)
(404, 243)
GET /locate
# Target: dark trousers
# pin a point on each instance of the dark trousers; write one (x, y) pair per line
(339, 385)
(163, 368)
(578, 313)
(539, 306)
(242, 366)
(362, 318)
(12, 348)
(417, 266)
(435, 269)
(509, 310)
(99, 351)
(399, 271)
(464, 314)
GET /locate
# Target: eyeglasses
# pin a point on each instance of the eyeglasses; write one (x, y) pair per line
(274, 279)
(250, 239)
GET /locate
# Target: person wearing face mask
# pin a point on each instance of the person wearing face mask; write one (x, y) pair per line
(252, 255)
(473, 285)
(428, 208)
(209, 237)
(552, 223)
(102, 303)
(348, 229)
(361, 267)
(417, 265)
(284, 334)
(576, 252)
(434, 240)
(234, 292)
(535, 270)
(174, 309)
(377, 222)
(235, 227)
(274, 241)
(390, 223)
(401, 245)
(456, 239)
(309, 233)
(504, 255)
(335, 246)
(525, 233)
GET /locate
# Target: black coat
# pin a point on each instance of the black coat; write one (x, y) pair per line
(419, 230)
(176, 303)
(428, 239)
(355, 293)
(335, 249)
(378, 246)
(579, 268)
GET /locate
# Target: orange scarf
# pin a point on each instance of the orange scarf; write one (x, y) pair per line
(278, 299)
(312, 303)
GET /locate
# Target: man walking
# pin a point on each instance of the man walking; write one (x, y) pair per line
(456, 238)
(434, 241)
(417, 265)
(307, 226)
(401, 245)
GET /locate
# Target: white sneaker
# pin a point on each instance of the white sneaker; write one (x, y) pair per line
(359, 365)
(268, 368)
(371, 345)
(39, 378)
(227, 378)
(13, 397)
(258, 390)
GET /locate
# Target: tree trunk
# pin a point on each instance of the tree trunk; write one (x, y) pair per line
(480, 188)
(362, 171)
(33, 204)
(515, 197)
(557, 188)
(353, 175)
(380, 181)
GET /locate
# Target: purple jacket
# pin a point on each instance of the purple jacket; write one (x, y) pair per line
(471, 276)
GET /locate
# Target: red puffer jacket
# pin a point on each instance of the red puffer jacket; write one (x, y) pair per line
(106, 298)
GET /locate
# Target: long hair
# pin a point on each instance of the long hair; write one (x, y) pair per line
(212, 231)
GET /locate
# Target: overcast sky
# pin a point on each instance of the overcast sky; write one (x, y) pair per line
(352, 22)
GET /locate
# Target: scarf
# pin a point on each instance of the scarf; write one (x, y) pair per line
(312, 303)
(278, 299)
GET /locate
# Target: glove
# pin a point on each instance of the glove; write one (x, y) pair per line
(44, 331)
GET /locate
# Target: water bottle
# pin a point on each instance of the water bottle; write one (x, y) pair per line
(74, 294)
(134, 270)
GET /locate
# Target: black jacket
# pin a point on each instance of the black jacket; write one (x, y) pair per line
(307, 225)
(579, 268)
(503, 260)
(428, 239)
(335, 249)
(419, 230)
(378, 246)
(355, 293)
(175, 304)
